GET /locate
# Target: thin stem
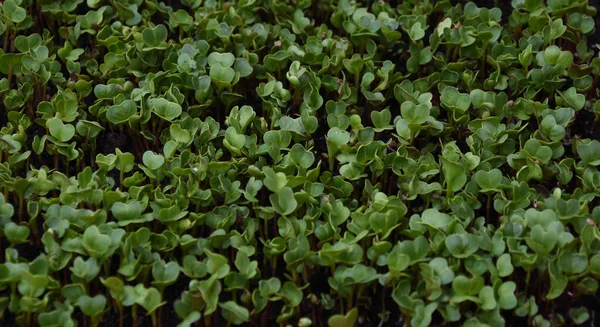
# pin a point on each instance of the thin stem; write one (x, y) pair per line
(6, 39)
(383, 305)
(488, 206)
(134, 314)
(295, 276)
(21, 205)
(56, 161)
(591, 94)
(153, 317)
(160, 310)
(350, 304)
(483, 61)
(10, 74)
(121, 315)
(121, 177)
(274, 265)
(304, 274)
(275, 224)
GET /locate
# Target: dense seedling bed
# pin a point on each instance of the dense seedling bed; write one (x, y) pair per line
(299, 163)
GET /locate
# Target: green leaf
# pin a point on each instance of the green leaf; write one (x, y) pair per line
(299, 248)
(338, 137)
(16, 234)
(275, 182)
(589, 153)
(56, 318)
(191, 318)
(551, 129)
(6, 211)
(164, 274)
(423, 315)
(15, 13)
(454, 174)
(573, 263)
(453, 100)
(504, 265)
(407, 253)
(269, 286)
(535, 149)
(416, 32)
(348, 320)
(414, 114)
(150, 300)
(582, 23)
(284, 201)
(217, 264)
(488, 301)
(579, 315)
(558, 282)
(210, 290)
(222, 59)
(440, 266)
(507, 299)
(59, 130)
(153, 160)
(234, 141)
(222, 75)
(85, 269)
(383, 222)
(462, 245)
(95, 243)
(234, 312)
(126, 211)
(92, 306)
(292, 293)
(489, 181)
(165, 109)
(435, 219)
(248, 268)
(68, 53)
(573, 99)
(121, 113)
(381, 119)
(154, 37)
(72, 292)
(301, 157)
(462, 285)
(243, 67)
(124, 161)
(28, 43)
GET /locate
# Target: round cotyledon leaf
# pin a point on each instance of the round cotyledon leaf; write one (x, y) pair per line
(284, 201)
(462, 245)
(121, 113)
(153, 160)
(489, 181)
(165, 109)
(62, 132)
(414, 113)
(92, 306)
